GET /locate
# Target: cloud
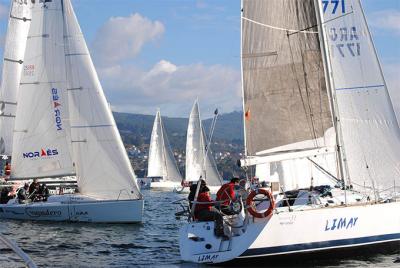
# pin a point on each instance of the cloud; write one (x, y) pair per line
(172, 88)
(122, 38)
(386, 20)
(130, 87)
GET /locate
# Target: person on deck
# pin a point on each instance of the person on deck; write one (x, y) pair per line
(43, 192)
(192, 192)
(204, 211)
(34, 189)
(22, 194)
(7, 169)
(226, 194)
(5, 195)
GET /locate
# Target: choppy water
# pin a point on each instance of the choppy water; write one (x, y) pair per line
(152, 243)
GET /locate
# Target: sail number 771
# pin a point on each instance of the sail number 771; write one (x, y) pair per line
(334, 6)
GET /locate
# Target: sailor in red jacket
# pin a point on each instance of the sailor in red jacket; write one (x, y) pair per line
(205, 211)
(226, 194)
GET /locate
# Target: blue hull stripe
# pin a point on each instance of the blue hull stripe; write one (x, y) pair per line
(352, 242)
(365, 87)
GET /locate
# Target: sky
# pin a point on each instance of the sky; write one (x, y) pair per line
(164, 54)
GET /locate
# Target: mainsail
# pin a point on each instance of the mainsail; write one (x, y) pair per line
(370, 131)
(286, 102)
(14, 49)
(285, 98)
(197, 162)
(41, 143)
(63, 123)
(161, 158)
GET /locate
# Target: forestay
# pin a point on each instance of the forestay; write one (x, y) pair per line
(41, 146)
(14, 50)
(161, 158)
(197, 162)
(102, 165)
(285, 98)
(369, 126)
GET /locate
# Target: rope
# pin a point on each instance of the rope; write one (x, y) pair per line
(278, 28)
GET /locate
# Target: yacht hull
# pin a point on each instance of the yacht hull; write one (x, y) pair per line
(323, 230)
(71, 208)
(164, 185)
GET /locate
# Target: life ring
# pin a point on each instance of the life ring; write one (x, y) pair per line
(251, 207)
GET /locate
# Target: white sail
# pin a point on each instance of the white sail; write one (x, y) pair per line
(371, 136)
(196, 143)
(161, 158)
(102, 165)
(41, 146)
(14, 50)
(286, 104)
(156, 159)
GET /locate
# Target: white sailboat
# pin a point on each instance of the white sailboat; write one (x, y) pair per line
(199, 161)
(318, 115)
(64, 127)
(14, 49)
(162, 168)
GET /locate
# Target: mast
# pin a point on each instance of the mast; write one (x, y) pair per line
(241, 78)
(343, 170)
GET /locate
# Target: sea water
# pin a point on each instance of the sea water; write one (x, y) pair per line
(151, 243)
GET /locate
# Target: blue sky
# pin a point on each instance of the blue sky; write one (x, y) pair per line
(165, 53)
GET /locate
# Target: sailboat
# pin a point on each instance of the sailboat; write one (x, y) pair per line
(14, 49)
(200, 162)
(318, 115)
(64, 127)
(162, 168)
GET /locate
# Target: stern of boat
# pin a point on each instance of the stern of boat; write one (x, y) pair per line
(198, 243)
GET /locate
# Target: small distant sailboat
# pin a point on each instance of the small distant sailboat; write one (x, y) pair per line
(319, 116)
(14, 50)
(163, 170)
(64, 127)
(199, 159)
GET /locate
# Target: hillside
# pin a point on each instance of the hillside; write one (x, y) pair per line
(227, 143)
(136, 128)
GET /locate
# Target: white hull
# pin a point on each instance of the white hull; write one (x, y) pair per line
(164, 185)
(287, 233)
(73, 208)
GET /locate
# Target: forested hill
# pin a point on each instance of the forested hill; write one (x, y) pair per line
(136, 128)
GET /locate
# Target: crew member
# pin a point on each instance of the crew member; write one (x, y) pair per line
(43, 192)
(23, 194)
(205, 211)
(34, 189)
(7, 169)
(226, 194)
